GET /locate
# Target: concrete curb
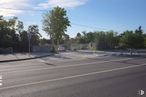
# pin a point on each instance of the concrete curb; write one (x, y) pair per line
(125, 55)
(13, 60)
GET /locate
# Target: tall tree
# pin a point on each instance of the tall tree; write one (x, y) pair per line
(78, 37)
(145, 42)
(20, 26)
(133, 39)
(33, 34)
(139, 38)
(127, 39)
(8, 36)
(55, 23)
(24, 41)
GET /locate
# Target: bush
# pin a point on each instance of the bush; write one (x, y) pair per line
(6, 50)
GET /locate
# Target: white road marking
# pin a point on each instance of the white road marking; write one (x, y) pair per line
(70, 77)
(64, 66)
(1, 84)
(1, 80)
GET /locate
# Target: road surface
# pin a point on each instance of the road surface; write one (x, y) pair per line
(99, 77)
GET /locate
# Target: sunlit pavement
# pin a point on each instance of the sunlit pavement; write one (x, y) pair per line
(15, 56)
(105, 76)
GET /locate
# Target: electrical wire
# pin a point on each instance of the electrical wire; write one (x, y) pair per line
(38, 10)
(86, 26)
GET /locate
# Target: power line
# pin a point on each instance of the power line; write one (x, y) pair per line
(86, 26)
(94, 28)
(22, 9)
(39, 10)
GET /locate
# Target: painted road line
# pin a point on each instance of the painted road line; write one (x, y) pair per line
(1, 80)
(65, 66)
(71, 77)
(1, 77)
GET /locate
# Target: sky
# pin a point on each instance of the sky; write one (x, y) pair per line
(84, 15)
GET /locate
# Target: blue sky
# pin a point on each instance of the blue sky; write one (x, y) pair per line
(117, 15)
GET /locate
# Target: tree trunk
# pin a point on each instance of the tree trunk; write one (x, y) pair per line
(53, 45)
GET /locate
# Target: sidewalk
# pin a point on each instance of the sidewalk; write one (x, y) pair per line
(70, 56)
(115, 52)
(62, 56)
(21, 56)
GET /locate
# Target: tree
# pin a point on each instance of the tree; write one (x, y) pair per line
(65, 38)
(139, 30)
(132, 39)
(84, 37)
(20, 26)
(99, 40)
(24, 41)
(8, 35)
(12, 23)
(44, 42)
(55, 23)
(127, 39)
(139, 38)
(33, 35)
(145, 42)
(90, 37)
(78, 37)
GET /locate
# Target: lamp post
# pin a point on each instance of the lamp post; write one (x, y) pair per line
(29, 42)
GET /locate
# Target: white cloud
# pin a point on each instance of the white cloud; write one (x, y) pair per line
(62, 3)
(7, 7)
(13, 7)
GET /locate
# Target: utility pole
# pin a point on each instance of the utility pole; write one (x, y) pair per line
(29, 41)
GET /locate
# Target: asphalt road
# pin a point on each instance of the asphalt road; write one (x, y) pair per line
(99, 77)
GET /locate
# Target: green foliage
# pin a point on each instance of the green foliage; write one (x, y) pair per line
(8, 35)
(44, 41)
(110, 40)
(130, 39)
(103, 40)
(55, 23)
(34, 35)
(13, 36)
(145, 42)
(24, 41)
(106, 40)
(20, 26)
